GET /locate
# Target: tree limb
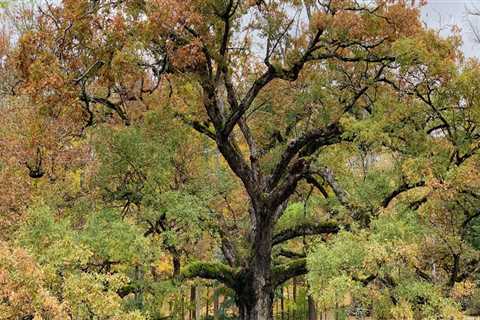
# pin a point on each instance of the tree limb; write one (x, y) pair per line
(284, 272)
(197, 125)
(323, 136)
(210, 270)
(290, 254)
(400, 189)
(340, 193)
(306, 229)
(312, 181)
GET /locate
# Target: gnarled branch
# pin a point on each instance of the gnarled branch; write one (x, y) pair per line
(402, 188)
(284, 272)
(291, 254)
(307, 229)
(210, 270)
(323, 136)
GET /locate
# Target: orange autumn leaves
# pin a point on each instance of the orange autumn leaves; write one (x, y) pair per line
(387, 21)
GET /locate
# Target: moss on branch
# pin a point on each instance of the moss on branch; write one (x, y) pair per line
(286, 271)
(210, 270)
(306, 229)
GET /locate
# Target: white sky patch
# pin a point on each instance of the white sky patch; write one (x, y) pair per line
(444, 14)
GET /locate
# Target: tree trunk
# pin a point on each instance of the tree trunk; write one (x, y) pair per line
(176, 265)
(288, 298)
(139, 275)
(261, 271)
(207, 302)
(216, 303)
(182, 304)
(255, 295)
(261, 309)
(312, 310)
(455, 270)
(294, 296)
(198, 303)
(193, 302)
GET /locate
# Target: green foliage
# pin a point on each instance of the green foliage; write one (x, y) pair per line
(72, 258)
(111, 238)
(384, 258)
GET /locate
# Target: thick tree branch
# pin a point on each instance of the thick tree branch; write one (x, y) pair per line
(271, 73)
(282, 192)
(470, 218)
(89, 72)
(321, 137)
(237, 163)
(312, 181)
(400, 189)
(226, 144)
(307, 229)
(284, 272)
(109, 104)
(197, 125)
(340, 193)
(252, 93)
(365, 281)
(290, 254)
(213, 271)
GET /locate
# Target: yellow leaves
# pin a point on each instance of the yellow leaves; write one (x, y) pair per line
(463, 289)
(376, 255)
(426, 48)
(89, 293)
(167, 15)
(401, 20)
(467, 176)
(349, 25)
(336, 293)
(133, 315)
(390, 21)
(164, 266)
(416, 169)
(402, 311)
(22, 290)
(124, 66)
(393, 253)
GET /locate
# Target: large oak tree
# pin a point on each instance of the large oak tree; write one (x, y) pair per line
(274, 86)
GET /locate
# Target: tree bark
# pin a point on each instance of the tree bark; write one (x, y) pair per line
(294, 293)
(262, 270)
(216, 303)
(193, 303)
(455, 269)
(207, 302)
(176, 265)
(255, 292)
(255, 282)
(182, 304)
(198, 303)
(312, 310)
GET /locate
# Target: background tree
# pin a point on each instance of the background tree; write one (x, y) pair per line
(424, 148)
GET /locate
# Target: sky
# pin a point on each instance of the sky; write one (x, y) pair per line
(443, 14)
